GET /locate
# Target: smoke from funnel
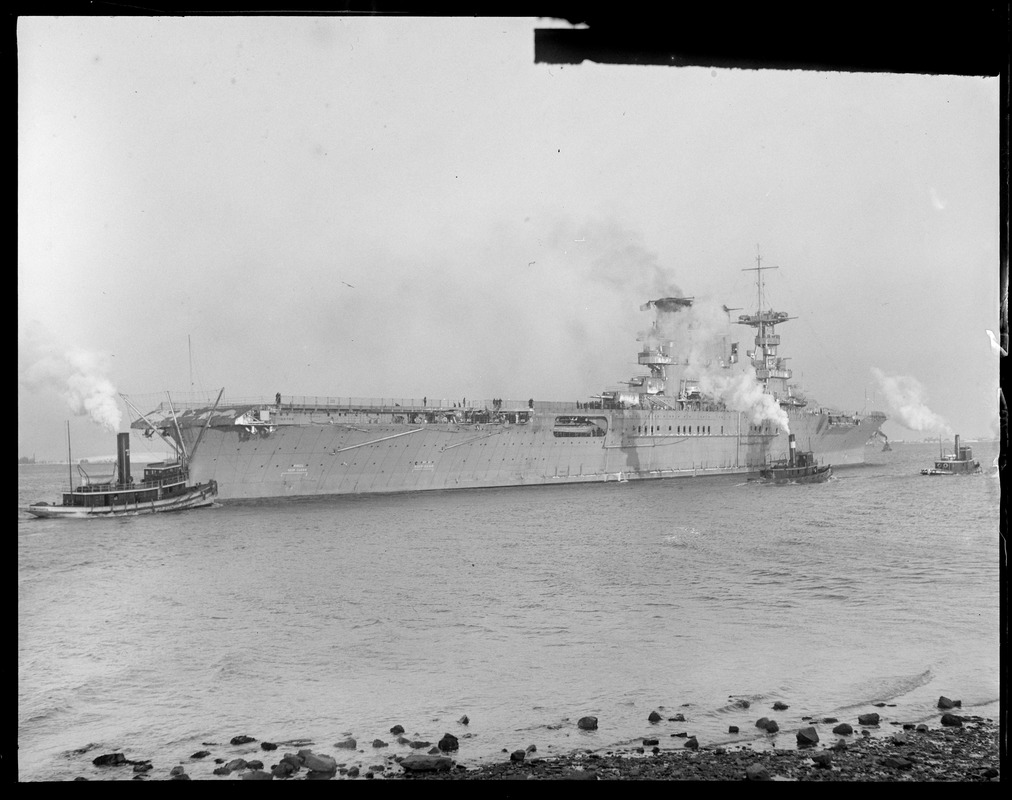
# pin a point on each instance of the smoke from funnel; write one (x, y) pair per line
(700, 334)
(77, 375)
(740, 391)
(905, 396)
(88, 392)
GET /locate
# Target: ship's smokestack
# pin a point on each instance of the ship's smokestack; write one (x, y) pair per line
(957, 445)
(793, 448)
(123, 458)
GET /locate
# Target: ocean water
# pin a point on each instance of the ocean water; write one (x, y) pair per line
(305, 622)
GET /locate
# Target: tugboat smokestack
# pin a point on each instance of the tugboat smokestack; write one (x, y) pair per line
(957, 446)
(793, 448)
(123, 458)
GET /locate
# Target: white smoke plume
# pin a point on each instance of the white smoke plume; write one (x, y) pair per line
(700, 337)
(700, 334)
(905, 396)
(77, 375)
(740, 391)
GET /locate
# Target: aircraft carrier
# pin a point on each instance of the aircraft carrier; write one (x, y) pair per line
(698, 409)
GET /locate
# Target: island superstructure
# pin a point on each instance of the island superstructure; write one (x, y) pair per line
(698, 412)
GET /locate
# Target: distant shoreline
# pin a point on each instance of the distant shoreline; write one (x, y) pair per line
(145, 458)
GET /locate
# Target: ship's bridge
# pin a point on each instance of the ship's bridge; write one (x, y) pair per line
(764, 374)
(654, 356)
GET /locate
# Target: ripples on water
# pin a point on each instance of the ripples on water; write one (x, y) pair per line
(522, 608)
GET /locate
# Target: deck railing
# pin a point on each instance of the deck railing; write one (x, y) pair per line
(326, 403)
(394, 404)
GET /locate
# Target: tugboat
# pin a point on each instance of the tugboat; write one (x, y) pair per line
(959, 462)
(164, 488)
(797, 468)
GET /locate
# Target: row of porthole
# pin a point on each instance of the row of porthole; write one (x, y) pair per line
(701, 430)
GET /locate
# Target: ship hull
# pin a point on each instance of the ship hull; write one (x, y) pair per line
(330, 451)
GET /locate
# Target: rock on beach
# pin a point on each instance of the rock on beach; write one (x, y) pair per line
(807, 736)
(968, 753)
(425, 764)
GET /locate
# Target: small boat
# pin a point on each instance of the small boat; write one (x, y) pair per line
(958, 462)
(796, 468)
(164, 488)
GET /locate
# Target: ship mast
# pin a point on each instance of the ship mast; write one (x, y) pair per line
(769, 368)
(70, 459)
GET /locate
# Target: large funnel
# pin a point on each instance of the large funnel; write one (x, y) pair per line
(793, 446)
(123, 458)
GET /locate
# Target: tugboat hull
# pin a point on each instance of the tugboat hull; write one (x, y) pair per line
(796, 468)
(796, 475)
(199, 496)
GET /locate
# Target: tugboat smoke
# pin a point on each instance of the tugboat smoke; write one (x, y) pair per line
(89, 392)
(905, 396)
(77, 375)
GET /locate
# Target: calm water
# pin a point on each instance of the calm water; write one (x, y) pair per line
(524, 609)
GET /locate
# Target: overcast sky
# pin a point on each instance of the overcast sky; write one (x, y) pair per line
(404, 207)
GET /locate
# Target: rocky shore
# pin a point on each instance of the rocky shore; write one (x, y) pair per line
(954, 748)
(969, 753)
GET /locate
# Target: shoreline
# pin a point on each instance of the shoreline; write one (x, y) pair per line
(950, 749)
(970, 753)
